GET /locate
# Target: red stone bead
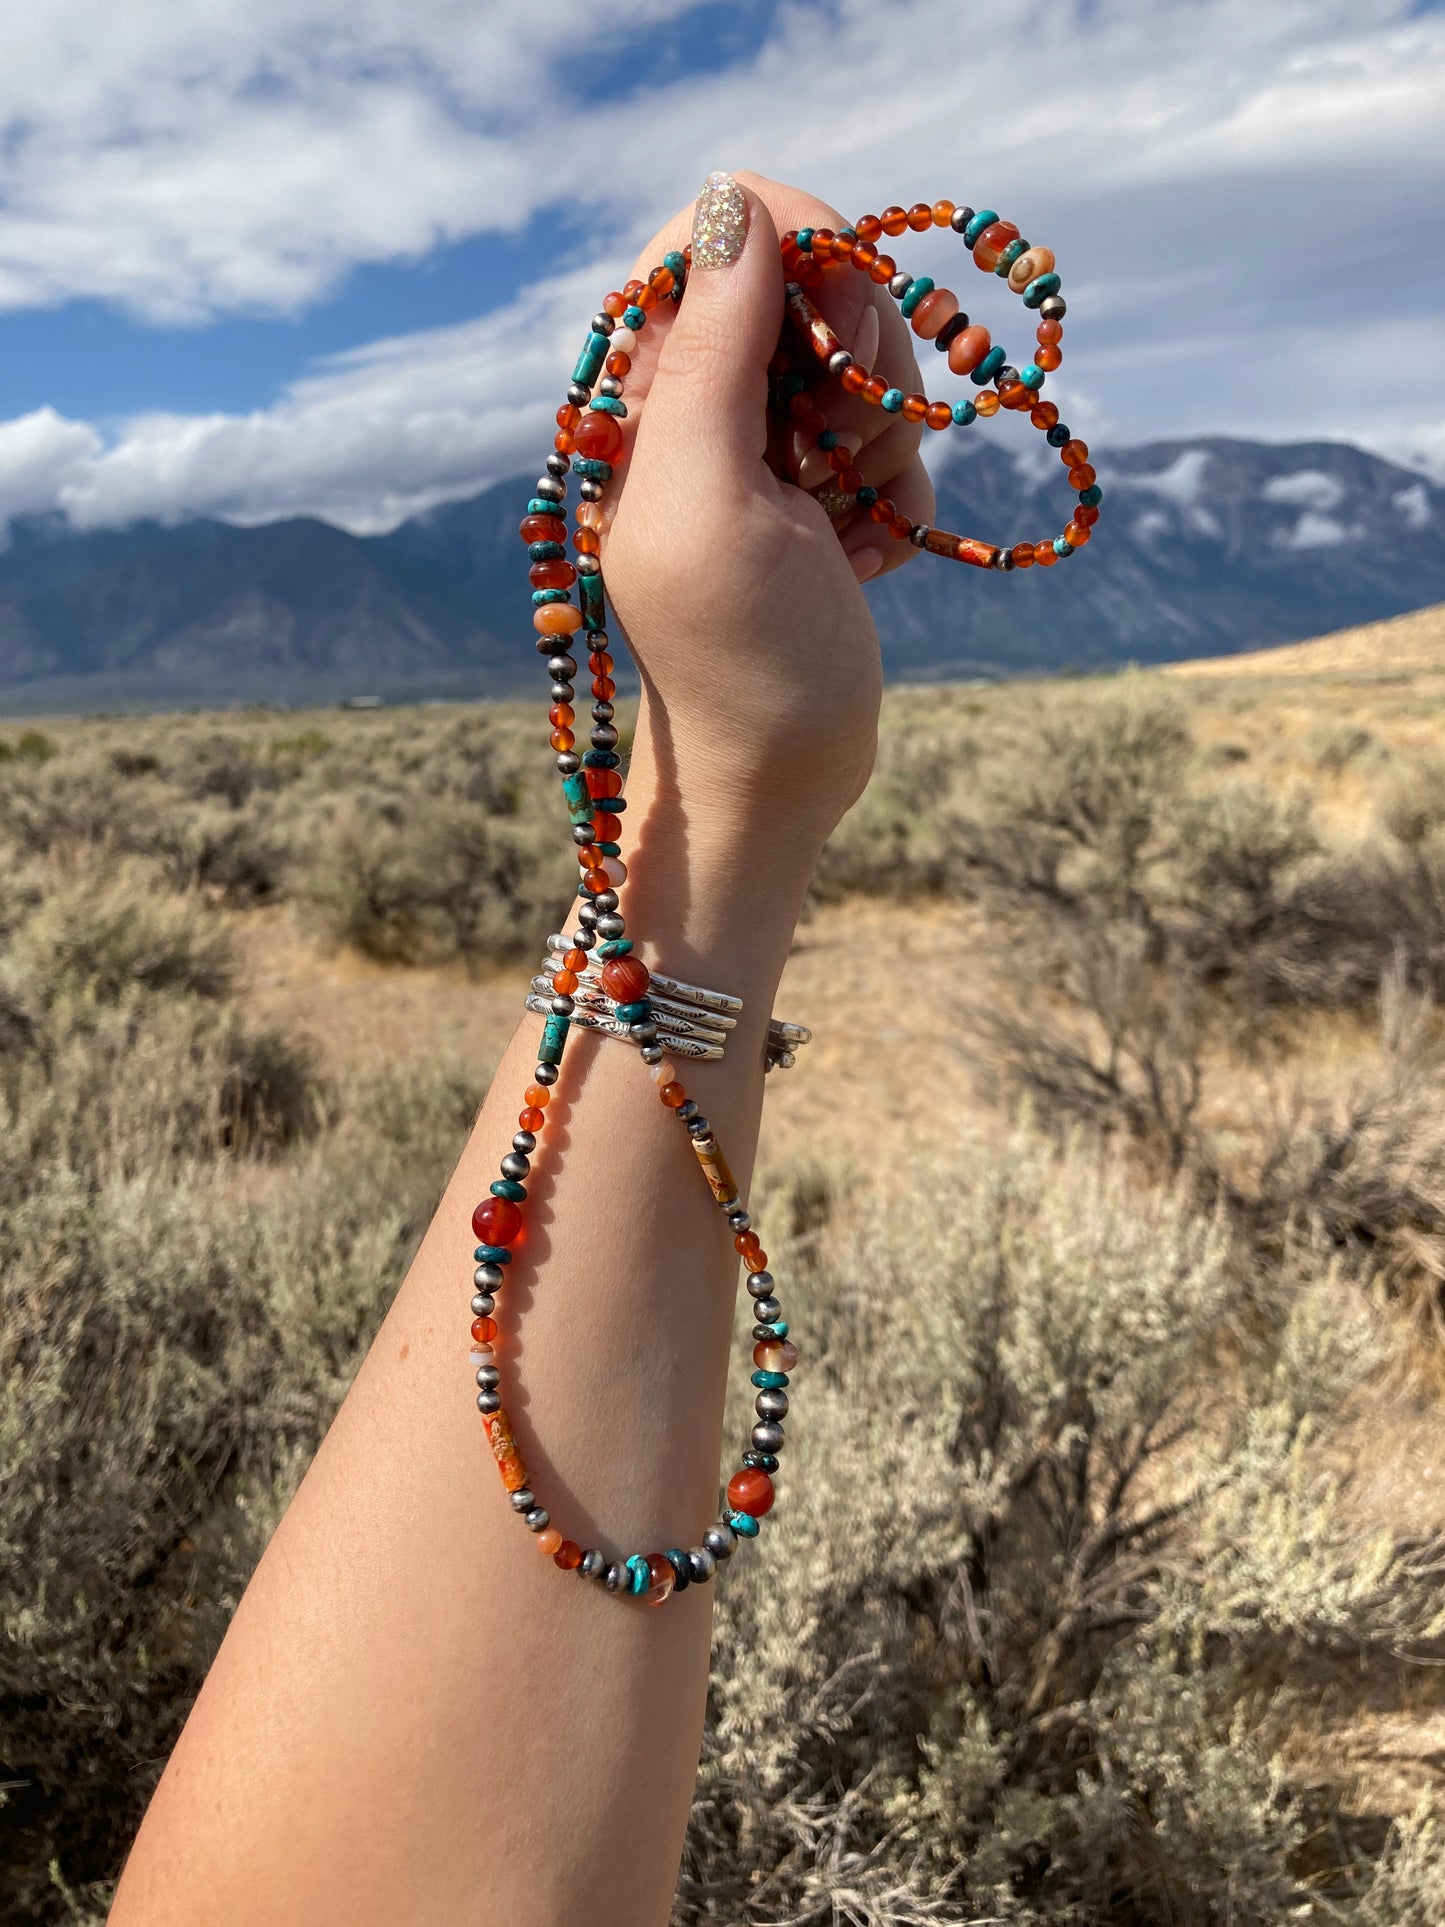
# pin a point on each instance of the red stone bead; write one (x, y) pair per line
(568, 1555)
(1044, 415)
(484, 1330)
(542, 528)
(883, 269)
(756, 1260)
(673, 1096)
(562, 740)
(568, 415)
(920, 216)
(609, 830)
(496, 1221)
(662, 1576)
(1044, 554)
(874, 389)
(614, 304)
(618, 364)
(1023, 555)
(565, 982)
(1086, 518)
(868, 228)
(914, 408)
(751, 1491)
(603, 782)
(599, 437)
(529, 1119)
(943, 213)
(625, 979)
(1049, 357)
(991, 244)
(894, 220)
(1049, 332)
(1077, 534)
(561, 716)
(1074, 454)
(537, 1096)
(939, 414)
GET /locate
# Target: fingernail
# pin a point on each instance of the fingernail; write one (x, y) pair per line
(865, 342)
(719, 222)
(866, 562)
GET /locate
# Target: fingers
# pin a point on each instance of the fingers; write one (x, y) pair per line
(911, 493)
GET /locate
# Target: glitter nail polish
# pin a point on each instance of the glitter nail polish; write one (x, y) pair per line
(719, 223)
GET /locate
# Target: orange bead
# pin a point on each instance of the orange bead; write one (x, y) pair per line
(600, 663)
(646, 300)
(874, 389)
(568, 1555)
(542, 528)
(1045, 415)
(531, 1120)
(549, 1541)
(986, 401)
(1049, 331)
(747, 1241)
(537, 1096)
(915, 407)
(751, 1491)
(1076, 535)
(1028, 266)
(618, 364)
(1044, 554)
(1013, 394)
(603, 688)
(883, 269)
(496, 1221)
(880, 511)
(556, 574)
(662, 280)
(943, 213)
(625, 979)
(587, 542)
(1023, 555)
(933, 313)
(599, 437)
(850, 481)
(609, 830)
(775, 1355)
(1082, 477)
(869, 228)
(939, 414)
(920, 216)
(565, 982)
(590, 857)
(614, 304)
(561, 740)
(1048, 356)
(1086, 518)
(568, 415)
(991, 244)
(561, 716)
(852, 378)
(574, 959)
(968, 348)
(601, 782)
(557, 619)
(484, 1330)
(673, 1095)
(864, 254)
(662, 1577)
(631, 290)
(1073, 453)
(756, 1260)
(893, 220)
(563, 441)
(900, 528)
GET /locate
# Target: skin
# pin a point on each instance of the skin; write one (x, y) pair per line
(415, 1716)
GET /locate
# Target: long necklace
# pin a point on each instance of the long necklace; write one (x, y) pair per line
(588, 441)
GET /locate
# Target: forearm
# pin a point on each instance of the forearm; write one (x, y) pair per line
(416, 1716)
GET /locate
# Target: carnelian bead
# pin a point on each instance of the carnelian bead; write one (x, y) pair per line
(1073, 453)
(646, 299)
(915, 407)
(1086, 518)
(609, 830)
(756, 1260)
(874, 389)
(920, 216)
(561, 716)
(943, 213)
(563, 441)
(537, 1096)
(549, 1541)
(562, 740)
(1048, 356)
(850, 481)
(880, 511)
(614, 304)
(1082, 477)
(673, 1095)
(625, 979)
(1013, 394)
(618, 364)
(868, 228)
(1044, 554)
(603, 688)
(751, 1491)
(747, 1241)
(986, 401)
(568, 1555)
(1044, 415)
(991, 244)
(775, 1355)
(531, 1120)
(496, 1221)
(662, 1578)
(556, 618)
(1023, 554)
(564, 982)
(893, 220)
(599, 437)
(594, 882)
(631, 290)
(933, 313)
(484, 1330)
(801, 405)
(864, 254)
(852, 378)
(1076, 535)
(822, 249)
(586, 542)
(900, 528)
(556, 574)
(600, 782)
(600, 663)
(968, 348)
(589, 856)
(568, 415)
(1049, 331)
(542, 528)
(883, 269)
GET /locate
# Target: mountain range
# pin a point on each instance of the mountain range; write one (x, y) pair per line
(1204, 547)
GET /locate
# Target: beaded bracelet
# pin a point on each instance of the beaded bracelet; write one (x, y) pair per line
(588, 441)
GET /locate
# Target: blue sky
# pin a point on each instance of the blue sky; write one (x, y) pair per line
(261, 257)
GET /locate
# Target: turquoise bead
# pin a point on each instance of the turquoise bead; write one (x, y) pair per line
(574, 794)
(916, 291)
(1040, 289)
(641, 1577)
(744, 1524)
(828, 439)
(589, 362)
(1061, 547)
(779, 1328)
(984, 218)
(607, 405)
(544, 551)
(1090, 498)
(601, 759)
(676, 261)
(892, 401)
(539, 596)
(508, 1188)
(590, 469)
(539, 505)
(492, 1255)
(633, 1013)
(1010, 254)
(867, 497)
(770, 1381)
(805, 240)
(964, 412)
(1059, 434)
(609, 849)
(995, 359)
(633, 318)
(614, 947)
(1032, 376)
(554, 1035)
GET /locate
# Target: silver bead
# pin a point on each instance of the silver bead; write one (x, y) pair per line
(489, 1402)
(617, 1578)
(524, 1141)
(900, 284)
(516, 1164)
(523, 1499)
(586, 565)
(558, 465)
(591, 491)
(768, 1311)
(760, 1285)
(1053, 308)
(583, 834)
(652, 1053)
(569, 762)
(611, 387)
(602, 323)
(644, 1033)
(605, 901)
(918, 534)
(483, 1304)
(562, 692)
(579, 394)
(701, 1564)
(840, 362)
(611, 926)
(1003, 559)
(767, 1436)
(583, 939)
(739, 1220)
(960, 219)
(562, 1006)
(771, 1404)
(538, 1519)
(602, 711)
(588, 912)
(594, 1563)
(604, 737)
(720, 1540)
(487, 1277)
(545, 1073)
(562, 667)
(551, 488)
(488, 1377)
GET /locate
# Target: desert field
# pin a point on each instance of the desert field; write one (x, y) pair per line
(1123, 1600)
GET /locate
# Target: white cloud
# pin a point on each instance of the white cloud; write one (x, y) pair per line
(1412, 504)
(1307, 488)
(1316, 531)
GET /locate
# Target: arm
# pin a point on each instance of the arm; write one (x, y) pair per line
(415, 1716)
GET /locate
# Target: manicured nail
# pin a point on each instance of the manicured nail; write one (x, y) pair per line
(719, 223)
(866, 562)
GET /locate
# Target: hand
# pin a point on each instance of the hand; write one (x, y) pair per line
(738, 599)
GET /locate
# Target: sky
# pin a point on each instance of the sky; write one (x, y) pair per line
(335, 257)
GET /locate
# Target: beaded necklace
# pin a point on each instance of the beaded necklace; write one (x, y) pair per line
(588, 441)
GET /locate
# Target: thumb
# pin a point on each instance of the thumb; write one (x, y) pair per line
(707, 407)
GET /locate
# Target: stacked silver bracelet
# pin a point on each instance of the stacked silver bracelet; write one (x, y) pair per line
(691, 1022)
